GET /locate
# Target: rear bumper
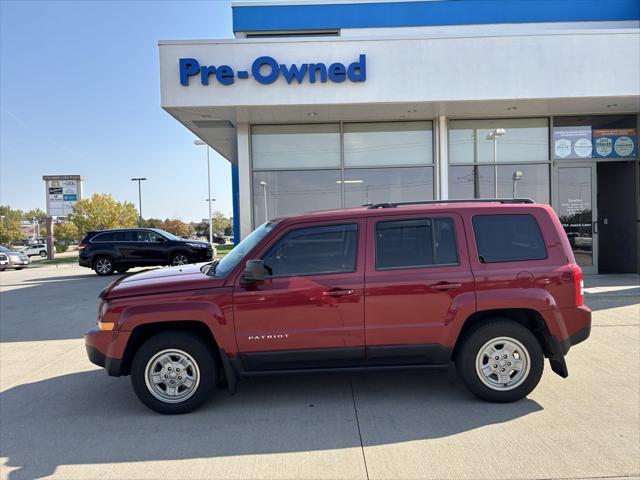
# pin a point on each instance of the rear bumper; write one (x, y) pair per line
(97, 342)
(84, 261)
(578, 323)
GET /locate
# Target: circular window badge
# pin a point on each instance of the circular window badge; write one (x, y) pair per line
(623, 146)
(563, 148)
(604, 146)
(583, 147)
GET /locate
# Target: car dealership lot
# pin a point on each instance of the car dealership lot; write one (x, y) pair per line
(60, 416)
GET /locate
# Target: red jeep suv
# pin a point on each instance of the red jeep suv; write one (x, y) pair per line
(490, 285)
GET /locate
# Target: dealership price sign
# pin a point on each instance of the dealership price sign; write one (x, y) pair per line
(62, 193)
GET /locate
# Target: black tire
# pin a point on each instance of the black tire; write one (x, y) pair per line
(477, 338)
(175, 259)
(194, 347)
(103, 265)
(43, 254)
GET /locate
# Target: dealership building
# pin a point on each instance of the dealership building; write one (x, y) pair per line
(340, 104)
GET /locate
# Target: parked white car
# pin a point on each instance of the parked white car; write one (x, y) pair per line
(12, 259)
(36, 249)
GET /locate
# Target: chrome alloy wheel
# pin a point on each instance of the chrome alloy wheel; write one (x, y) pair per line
(103, 266)
(503, 364)
(180, 259)
(172, 376)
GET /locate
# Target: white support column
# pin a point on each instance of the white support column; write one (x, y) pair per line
(443, 157)
(244, 179)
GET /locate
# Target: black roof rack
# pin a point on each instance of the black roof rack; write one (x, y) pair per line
(436, 202)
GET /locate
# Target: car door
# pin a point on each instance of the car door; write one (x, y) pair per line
(417, 277)
(309, 312)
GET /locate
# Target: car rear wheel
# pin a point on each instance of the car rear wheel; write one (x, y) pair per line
(173, 372)
(500, 361)
(179, 258)
(103, 266)
(43, 254)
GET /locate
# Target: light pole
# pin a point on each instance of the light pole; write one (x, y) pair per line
(264, 190)
(493, 135)
(517, 175)
(139, 180)
(200, 142)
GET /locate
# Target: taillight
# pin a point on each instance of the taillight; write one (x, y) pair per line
(578, 284)
(81, 245)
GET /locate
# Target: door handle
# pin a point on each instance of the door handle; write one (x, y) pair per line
(446, 286)
(595, 227)
(338, 292)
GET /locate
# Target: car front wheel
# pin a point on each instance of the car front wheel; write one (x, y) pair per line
(103, 266)
(500, 361)
(173, 372)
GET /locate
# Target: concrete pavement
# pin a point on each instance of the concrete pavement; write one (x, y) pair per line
(62, 418)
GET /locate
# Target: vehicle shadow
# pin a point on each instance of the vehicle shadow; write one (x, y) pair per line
(88, 418)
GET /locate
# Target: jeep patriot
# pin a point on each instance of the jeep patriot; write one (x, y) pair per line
(491, 286)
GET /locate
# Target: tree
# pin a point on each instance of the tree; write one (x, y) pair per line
(220, 222)
(36, 213)
(101, 212)
(66, 232)
(10, 231)
(152, 223)
(177, 227)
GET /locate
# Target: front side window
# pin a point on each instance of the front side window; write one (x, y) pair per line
(415, 243)
(508, 238)
(314, 251)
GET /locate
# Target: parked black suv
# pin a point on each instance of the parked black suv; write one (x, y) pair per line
(108, 250)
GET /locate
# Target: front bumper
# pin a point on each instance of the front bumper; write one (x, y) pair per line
(97, 343)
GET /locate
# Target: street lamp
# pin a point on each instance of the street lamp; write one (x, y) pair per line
(200, 142)
(264, 190)
(139, 180)
(493, 135)
(517, 175)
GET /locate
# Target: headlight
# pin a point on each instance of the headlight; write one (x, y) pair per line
(102, 309)
(196, 245)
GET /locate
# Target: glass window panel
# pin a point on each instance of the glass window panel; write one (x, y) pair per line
(388, 143)
(404, 244)
(379, 185)
(501, 140)
(508, 238)
(471, 182)
(295, 146)
(575, 211)
(313, 251)
(522, 181)
(286, 193)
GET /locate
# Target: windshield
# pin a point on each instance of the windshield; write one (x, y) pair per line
(4, 249)
(235, 256)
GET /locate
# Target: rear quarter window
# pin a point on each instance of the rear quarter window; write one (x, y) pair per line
(508, 238)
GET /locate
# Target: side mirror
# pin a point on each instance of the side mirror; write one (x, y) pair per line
(254, 272)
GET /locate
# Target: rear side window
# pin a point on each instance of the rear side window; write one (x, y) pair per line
(415, 243)
(313, 251)
(508, 238)
(123, 236)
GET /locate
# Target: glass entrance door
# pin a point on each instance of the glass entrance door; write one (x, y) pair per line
(575, 204)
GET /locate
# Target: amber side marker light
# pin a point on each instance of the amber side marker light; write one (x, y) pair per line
(105, 325)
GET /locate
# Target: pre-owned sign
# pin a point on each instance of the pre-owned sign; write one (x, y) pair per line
(267, 70)
(615, 143)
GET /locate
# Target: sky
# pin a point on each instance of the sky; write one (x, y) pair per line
(80, 94)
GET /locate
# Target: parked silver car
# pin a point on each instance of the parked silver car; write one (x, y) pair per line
(12, 259)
